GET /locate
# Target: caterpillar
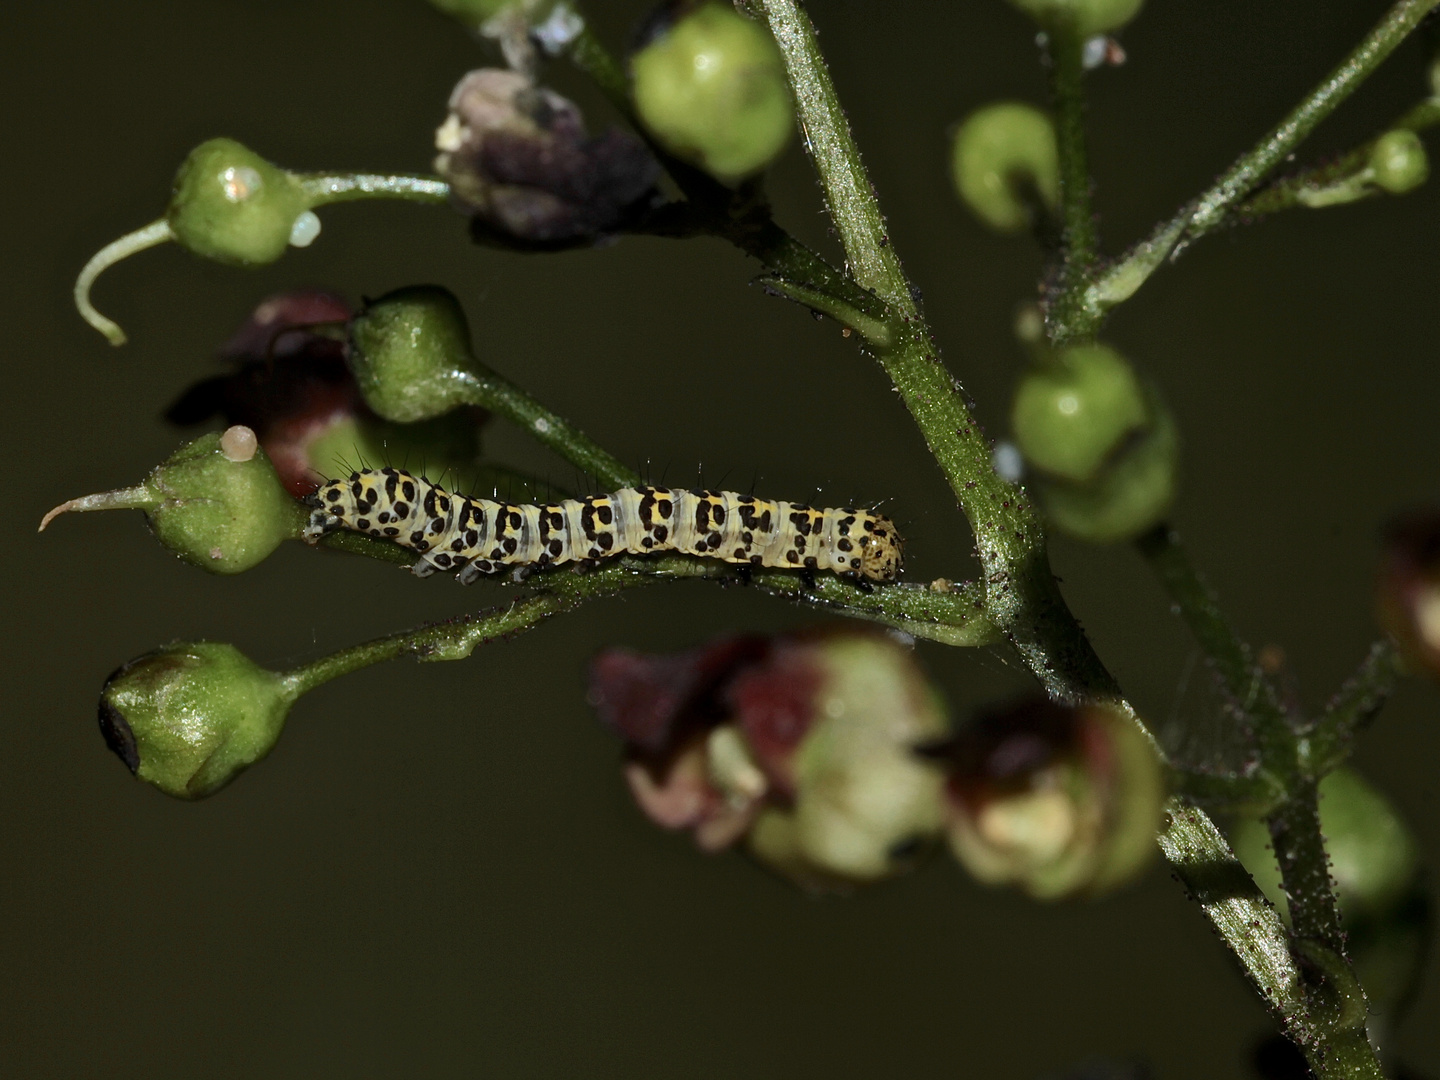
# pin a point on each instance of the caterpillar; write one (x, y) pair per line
(481, 536)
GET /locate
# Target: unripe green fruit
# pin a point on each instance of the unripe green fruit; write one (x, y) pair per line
(1398, 162)
(220, 514)
(712, 89)
(192, 716)
(216, 502)
(410, 352)
(233, 206)
(999, 151)
(1132, 493)
(1087, 16)
(1071, 415)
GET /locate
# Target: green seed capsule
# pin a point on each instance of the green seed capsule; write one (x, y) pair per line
(410, 352)
(192, 716)
(1087, 16)
(712, 89)
(216, 502)
(1071, 415)
(1398, 162)
(233, 206)
(1004, 157)
(1132, 493)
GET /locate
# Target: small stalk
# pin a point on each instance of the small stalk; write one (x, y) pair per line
(490, 390)
(1353, 707)
(1210, 209)
(322, 189)
(1068, 319)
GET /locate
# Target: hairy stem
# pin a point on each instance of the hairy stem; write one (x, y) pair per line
(1067, 318)
(325, 188)
(1211, 208)
(1022, 597)
(491, 390)
(1332, 1034)
(1235, 906)
(1227, 651)
(1354, 706)
(953, 617)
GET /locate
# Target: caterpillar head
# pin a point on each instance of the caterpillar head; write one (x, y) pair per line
(880, 545)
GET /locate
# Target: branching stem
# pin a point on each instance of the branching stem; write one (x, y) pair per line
(953, 617)
(1211, 208)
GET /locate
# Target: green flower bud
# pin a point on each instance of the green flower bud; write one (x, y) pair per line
(1398, 162)
(410, 352)
(192, 716)
(233, 206)
(1058, 801)
(1131, 494)
(216, 502)
(1375, 864)
(712, 89)
(1087, 16)
(1072, 415)
(1004, 158)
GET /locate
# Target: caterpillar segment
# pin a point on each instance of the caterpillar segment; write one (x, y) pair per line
(484, 536)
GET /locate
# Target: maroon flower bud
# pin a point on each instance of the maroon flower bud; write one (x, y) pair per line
(805, 741)
(1059, 801)
(1408, 597)
(518, 158)
(290, 384)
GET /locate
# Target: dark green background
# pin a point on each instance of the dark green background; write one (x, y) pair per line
(438, 872)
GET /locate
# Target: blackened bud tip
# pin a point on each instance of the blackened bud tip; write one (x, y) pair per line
(117, 734)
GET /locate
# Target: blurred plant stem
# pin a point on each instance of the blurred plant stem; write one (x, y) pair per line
(1213, 207)
(1067, 317)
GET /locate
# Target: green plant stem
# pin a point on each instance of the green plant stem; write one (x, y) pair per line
(325, 188)
(1022, 597)
(1310, 187)
(1352, 709)
(954, 617)
(1332, 1035)
(1235, 906)
(491, 390)
(1325, 1029)
(1211, 208)
(1067, 318)
(849, 196)
(590, 55)
(1231, 656)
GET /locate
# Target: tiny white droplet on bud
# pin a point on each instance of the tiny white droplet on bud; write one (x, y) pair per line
(238, 444)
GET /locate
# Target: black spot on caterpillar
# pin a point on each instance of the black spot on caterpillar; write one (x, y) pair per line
(481, 536)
